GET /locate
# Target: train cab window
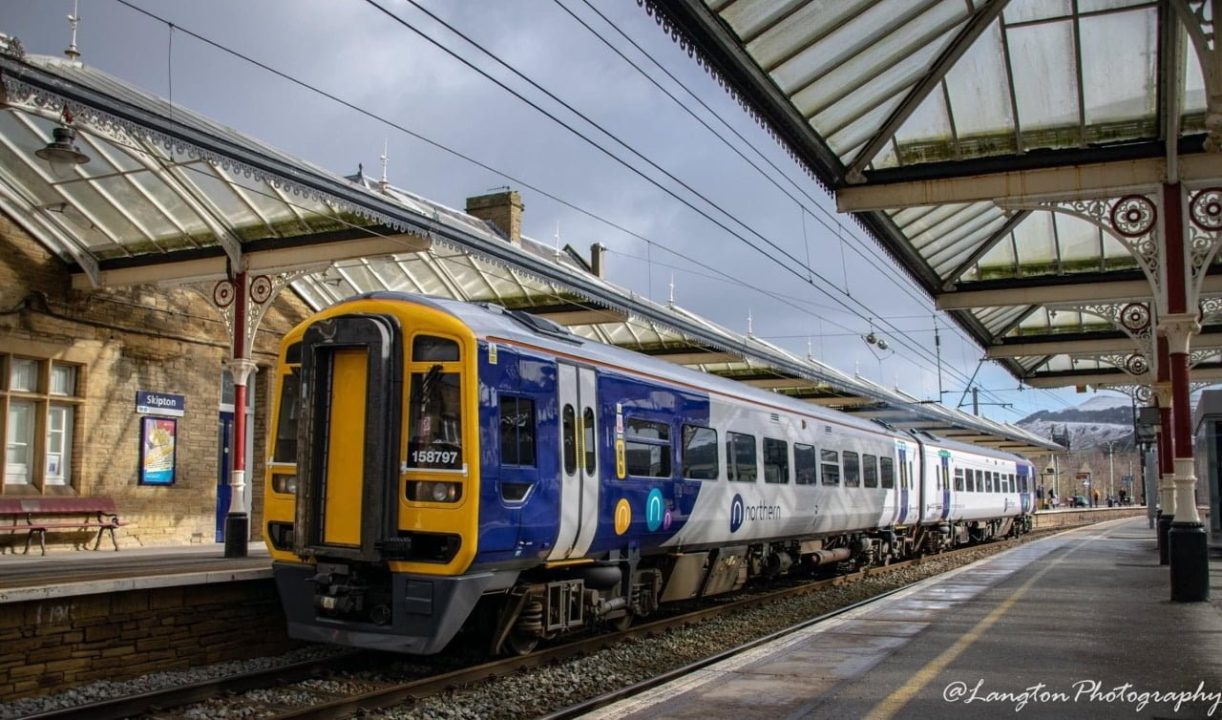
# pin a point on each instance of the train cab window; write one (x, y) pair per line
(740, 457)
(589, 442)
(776, 461)
(958, 479)
(517, 431)
(869, 471)
(829, 467)
(886, 472)
(806, 464)
(286, 424)
(435, 421)
(426, 348)
(852, 469)
(647, 448)
(568, 439)
(700, 453)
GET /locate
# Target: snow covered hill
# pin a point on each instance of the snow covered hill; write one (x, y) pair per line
(1103, 419)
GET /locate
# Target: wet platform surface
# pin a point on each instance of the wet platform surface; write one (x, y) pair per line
(1078, 625)
(85, 572)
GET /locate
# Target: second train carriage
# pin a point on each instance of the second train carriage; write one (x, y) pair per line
(437, 464)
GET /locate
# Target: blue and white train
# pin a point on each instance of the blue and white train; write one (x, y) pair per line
(438, 465)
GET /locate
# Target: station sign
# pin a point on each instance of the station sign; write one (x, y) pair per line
(155, 403)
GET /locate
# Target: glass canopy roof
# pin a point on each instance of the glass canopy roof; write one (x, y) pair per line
(888, 102)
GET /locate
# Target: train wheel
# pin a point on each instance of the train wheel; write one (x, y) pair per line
(622, 624)
(520, 644)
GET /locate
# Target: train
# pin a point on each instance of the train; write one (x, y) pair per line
(439, 467)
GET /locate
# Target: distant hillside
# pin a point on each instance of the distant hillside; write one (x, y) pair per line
(1101, 420)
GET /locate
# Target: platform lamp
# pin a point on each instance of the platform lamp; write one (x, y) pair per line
(61, 153)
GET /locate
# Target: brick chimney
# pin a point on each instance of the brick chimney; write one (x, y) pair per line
(502, 209)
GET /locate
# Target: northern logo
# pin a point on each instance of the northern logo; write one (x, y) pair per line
(738, 513)
(655, 510)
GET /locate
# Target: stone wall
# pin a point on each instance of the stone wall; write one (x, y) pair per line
(49, 645)
(123, 340)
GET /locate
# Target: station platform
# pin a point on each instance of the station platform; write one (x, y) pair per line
(1077, 625)
(89, 572)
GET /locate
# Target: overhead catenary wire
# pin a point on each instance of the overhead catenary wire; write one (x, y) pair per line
(911, 346)
(425, 139)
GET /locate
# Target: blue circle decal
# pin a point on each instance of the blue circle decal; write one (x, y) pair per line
(654, 510)
(738, 513)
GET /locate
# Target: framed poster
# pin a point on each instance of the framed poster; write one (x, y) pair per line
(158, 440)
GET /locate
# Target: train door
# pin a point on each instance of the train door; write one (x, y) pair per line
(578, 501)
(904, 482)
(944, 474)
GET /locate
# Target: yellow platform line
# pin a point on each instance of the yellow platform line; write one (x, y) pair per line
(893, 703)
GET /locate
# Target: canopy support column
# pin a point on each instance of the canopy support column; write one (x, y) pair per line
(1187, 541)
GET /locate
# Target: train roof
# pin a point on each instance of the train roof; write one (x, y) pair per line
(489, 320)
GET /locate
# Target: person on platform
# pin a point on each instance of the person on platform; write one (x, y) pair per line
(1094, 498)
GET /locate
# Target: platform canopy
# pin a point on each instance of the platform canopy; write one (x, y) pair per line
(983, 144)
(172, 198)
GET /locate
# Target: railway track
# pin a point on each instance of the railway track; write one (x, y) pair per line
(325, 694)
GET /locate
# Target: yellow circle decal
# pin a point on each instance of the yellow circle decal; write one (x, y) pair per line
(623, 516)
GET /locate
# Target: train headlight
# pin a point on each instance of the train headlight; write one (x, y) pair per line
(434, 491)
(286, 484)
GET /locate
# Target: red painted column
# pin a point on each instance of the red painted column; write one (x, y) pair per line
(237, 521)
(1187, 544)
(1166, 450)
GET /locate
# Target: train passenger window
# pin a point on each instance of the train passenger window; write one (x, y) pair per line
(740, 457)
(829, 461)
(972, 485)
(286, 424)
(569, 439)
(776, 461)
(852, 469)
(869, 470)
(426, 348)
(989, 476)
(517, 431)
(435, 420)
(958, 479)
(589, 442)
(700, 453)
(647, 448)
(886, 471)
(806, 464)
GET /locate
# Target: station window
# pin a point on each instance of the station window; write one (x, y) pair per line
(886, 472)
(39, 399)
(700, 453)
(647, 447)
(740, 457)
(806, 464)
(869, 470)
(958, 479)
(852, 469)
(776, 461)
(829, 462)
(517, 431)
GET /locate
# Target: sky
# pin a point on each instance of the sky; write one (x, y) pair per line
(832, 289)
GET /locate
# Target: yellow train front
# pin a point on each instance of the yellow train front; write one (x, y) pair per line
(371, 503)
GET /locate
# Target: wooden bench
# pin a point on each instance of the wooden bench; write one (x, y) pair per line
(37, 515)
